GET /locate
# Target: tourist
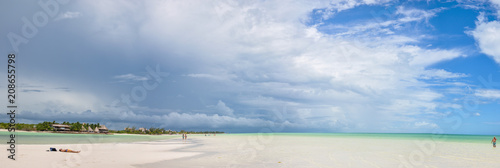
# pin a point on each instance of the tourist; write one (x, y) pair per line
(494, 141)
(68, 150)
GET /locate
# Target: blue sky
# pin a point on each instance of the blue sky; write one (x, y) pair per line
(259, 66)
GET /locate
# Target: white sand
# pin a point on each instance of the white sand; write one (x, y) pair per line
(281, 151)
(263, 151)
(123, 155)
(6, 130)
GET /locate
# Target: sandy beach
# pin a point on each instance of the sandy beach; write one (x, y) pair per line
(291, 151)
(262, 151)
(110, 155)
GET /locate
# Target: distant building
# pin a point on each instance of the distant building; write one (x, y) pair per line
(142, 129)
(90, 129)
(103, 129)
(83, 129)
(60, 127)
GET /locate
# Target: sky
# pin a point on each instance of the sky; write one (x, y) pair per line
(257, 66)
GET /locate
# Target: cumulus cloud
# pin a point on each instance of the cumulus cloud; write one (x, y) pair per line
(264, 58)
(174, 120)
(223, 109)
(487, 35)
(275, 60)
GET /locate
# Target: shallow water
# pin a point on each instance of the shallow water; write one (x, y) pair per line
(394, 136)
(59, 138)
(337, 150)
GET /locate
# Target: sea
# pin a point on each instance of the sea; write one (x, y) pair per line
(61, 138)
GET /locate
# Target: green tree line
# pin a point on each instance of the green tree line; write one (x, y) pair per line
(157, 131)
(47, 126)
(77, 126)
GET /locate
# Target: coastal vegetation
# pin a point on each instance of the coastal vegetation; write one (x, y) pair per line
(85, 127)
(156, 131)
(47, 126)
(19, 126)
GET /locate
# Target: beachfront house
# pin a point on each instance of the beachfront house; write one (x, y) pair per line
(96, 130)
(60, 127)
(89, 129)
(142, 130)
(103, 129)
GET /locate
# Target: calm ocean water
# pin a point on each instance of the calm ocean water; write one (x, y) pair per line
(402, 136)
(56, 138)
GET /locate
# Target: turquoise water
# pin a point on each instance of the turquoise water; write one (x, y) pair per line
(57, 138)
(402, 136)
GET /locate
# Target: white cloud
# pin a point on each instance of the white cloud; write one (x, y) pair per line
(174, 120)
(223, 109)
(211, 76)
(487, 36)
(130, 77)
(411, 15)
(488, 93)
(496, 3)
(441, 74)
(426, 124)
(378, 26)
(68, 15)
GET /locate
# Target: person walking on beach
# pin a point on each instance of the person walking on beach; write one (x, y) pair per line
(183, 137)
(494, 141)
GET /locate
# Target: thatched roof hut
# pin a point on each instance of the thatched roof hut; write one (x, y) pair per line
(103, 129)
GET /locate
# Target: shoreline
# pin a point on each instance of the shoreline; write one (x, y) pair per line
(40, 138)
(466, 138)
